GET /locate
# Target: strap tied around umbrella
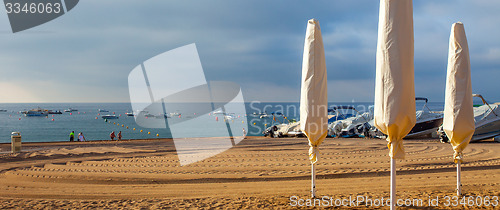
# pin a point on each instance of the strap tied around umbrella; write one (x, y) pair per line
(458, 156)
(313, 153)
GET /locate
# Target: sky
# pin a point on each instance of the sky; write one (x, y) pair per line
(87, 54)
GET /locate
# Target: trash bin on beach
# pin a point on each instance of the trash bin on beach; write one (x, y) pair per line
(15, 138)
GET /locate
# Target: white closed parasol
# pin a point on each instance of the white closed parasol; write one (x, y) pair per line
(458, 122)
(313, 94)
(394, 90)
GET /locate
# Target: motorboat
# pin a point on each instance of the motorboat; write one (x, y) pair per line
(102, 110)
(261, 115)
(36, 113)
(54, 112)
(70, 110)
(3, 110)
(487, 122)
(284, 130)
(129, 114)
(108, 117)
(427, 121)
(349, 125)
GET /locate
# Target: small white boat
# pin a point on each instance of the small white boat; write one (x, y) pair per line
(103, 110)
(108, 116)
(70, 110)
(129, 114)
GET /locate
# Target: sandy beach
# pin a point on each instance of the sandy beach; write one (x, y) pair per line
(257, 173)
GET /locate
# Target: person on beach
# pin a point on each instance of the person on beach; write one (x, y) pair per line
(81, 137)
(112, 135)
(72, 136)
(120, 135)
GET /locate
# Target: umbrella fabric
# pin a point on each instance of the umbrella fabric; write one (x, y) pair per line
(458, 122)
(313, 95)
(394, 90)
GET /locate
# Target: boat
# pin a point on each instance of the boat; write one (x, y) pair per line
(3, 110)
(103, 110)
(487, 122)
(261, 115)
(218, 112)
(129, 114)
(284, 130)
(349, 125)
(108, 116)
(427, 122)
(54, 112)
(70, 110)
(36, 113)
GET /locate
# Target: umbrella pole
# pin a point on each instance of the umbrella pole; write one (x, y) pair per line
(459, 179)
(313, 181)
(393, 184)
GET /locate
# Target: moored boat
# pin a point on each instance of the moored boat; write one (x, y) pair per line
(38, 112)
(108, 116)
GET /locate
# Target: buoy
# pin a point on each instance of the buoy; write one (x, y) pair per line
(216, 118)
(70, 113)
(122, 125)
(120, 115)
(127, 127)
(194, 113)
(254, 123)
(19, 118)
(243, 122)
(146, 117)
(265, 125)
(98, 114)
(52, 119)
(78, 112)
(133, 129)
(52, 115)
(141, 131)
(179, 116)
(96, 118)
(84, 112)
(113, 112)
(149, 132)
(157, 135)
(46, 116)
(114, 123)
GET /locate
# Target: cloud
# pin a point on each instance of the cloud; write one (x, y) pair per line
(258, 44)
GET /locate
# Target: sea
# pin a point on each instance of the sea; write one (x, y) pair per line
(88, 120)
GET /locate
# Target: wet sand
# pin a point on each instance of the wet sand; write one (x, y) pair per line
(257, 173)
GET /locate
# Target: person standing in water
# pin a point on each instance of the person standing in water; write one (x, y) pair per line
(112, 135)
(72, 136)
(81, 137)
(120, 135)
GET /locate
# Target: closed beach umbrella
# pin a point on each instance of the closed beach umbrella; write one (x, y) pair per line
(394, 86)
(458, 122)
(313, 94)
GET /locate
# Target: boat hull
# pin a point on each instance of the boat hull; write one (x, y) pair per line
(425, 128)
(486, 131)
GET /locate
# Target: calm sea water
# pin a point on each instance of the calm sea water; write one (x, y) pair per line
(44, 129)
